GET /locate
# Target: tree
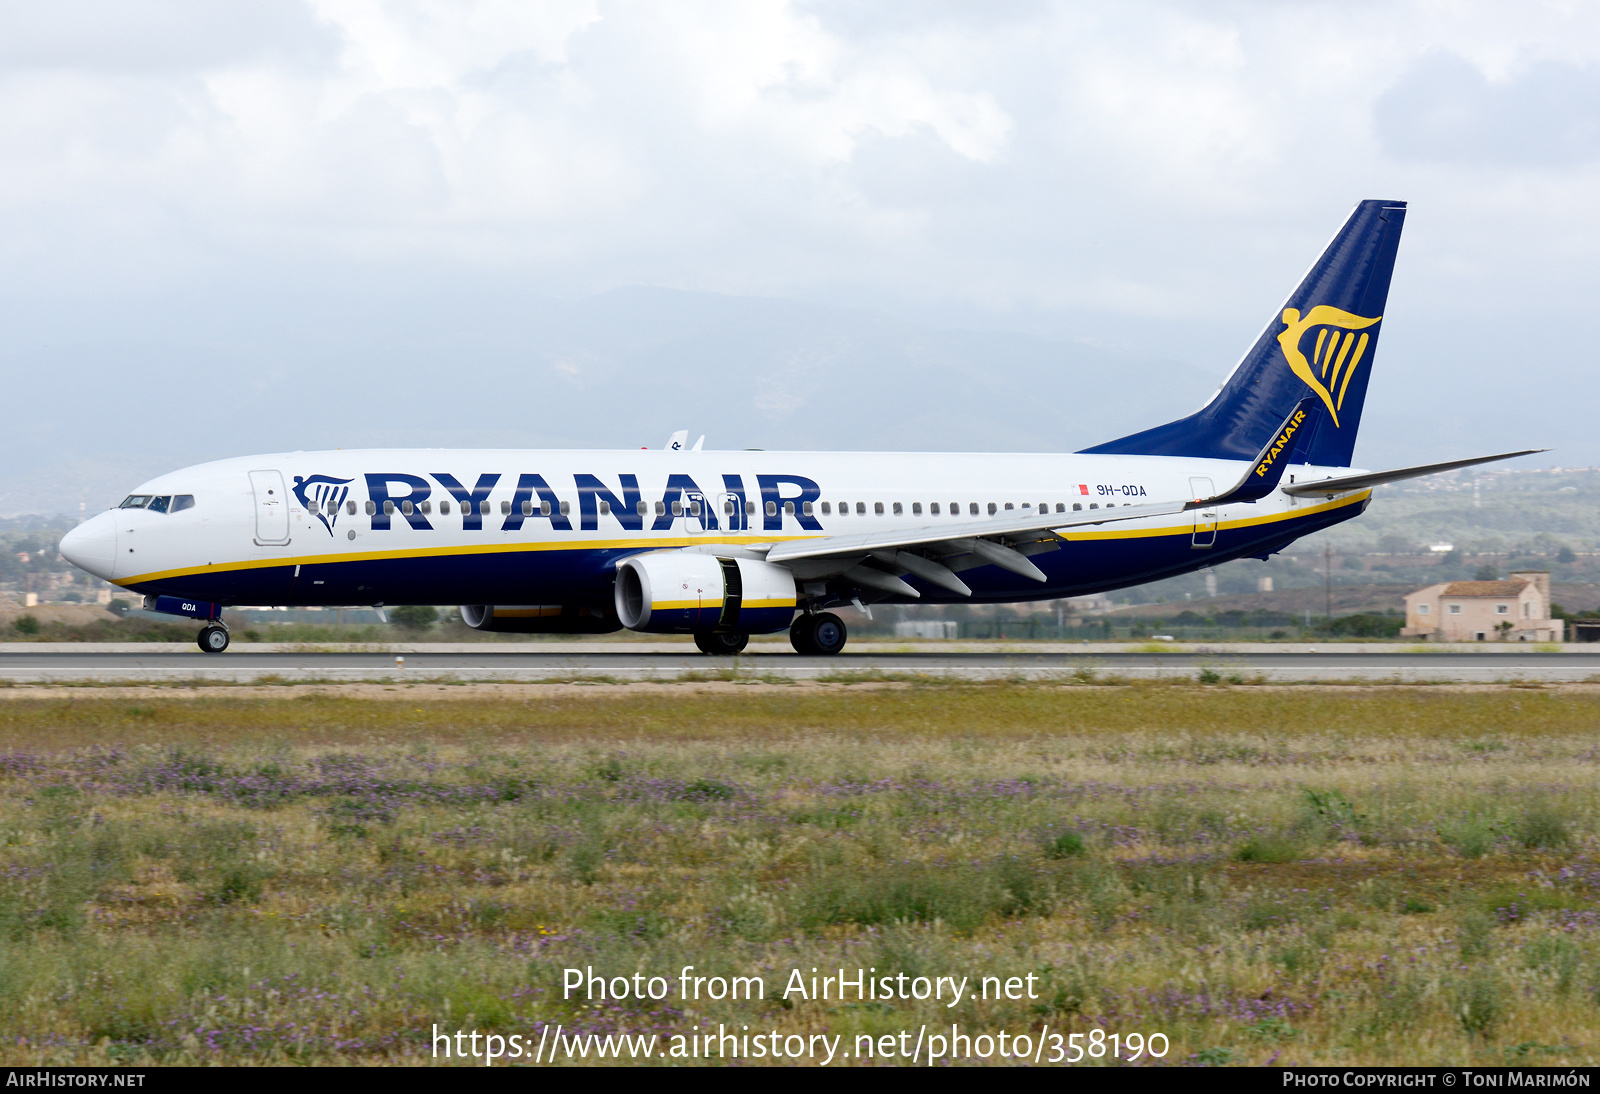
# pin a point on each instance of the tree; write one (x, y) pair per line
(1486, 573)
(1565, 554)
(414, 617)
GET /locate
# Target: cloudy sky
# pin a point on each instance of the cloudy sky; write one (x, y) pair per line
(231, 227)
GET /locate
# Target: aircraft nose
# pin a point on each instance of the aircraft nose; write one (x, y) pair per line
(92, 545)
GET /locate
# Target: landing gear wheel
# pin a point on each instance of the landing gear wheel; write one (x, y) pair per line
(723, 645)
(213, 639)
(800, 635)
(818, 635)
(828, 634)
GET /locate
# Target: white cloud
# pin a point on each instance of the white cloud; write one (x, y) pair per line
(1149, 174)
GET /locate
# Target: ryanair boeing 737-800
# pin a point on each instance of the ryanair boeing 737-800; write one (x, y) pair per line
(722, 545)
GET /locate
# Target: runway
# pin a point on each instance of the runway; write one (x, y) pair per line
(620, 661)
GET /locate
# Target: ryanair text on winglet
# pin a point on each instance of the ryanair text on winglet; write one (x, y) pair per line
(1282, 442)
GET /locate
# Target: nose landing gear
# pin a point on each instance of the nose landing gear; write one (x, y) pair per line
(213, 638)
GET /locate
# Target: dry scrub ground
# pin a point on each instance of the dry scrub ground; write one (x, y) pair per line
(1300, 875)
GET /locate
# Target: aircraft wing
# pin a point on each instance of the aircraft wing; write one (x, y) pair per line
(936, 552)
(1341, 484)
(1030, 527)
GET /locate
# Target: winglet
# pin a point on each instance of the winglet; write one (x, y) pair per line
(1266, 470)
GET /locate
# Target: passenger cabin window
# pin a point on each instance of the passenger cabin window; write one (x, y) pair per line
(605, 508)
(372, 508)
(644, 508)
(826, 508)
(1077, 507)
(505, 507)
(1061, 507)
(388, 507)
(1092, 505)
(527, 508)
(991, 508)
(772, 508)
(405, 508)
(661, 507)
(427, 507)
(788, 508)
(861, 508)
(805, 508)
(350, 507)
(677, 508)
(877, 508)
(566, 508)
(898, 510)
(933, 510)
(916, 508)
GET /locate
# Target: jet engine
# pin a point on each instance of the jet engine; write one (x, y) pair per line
(680, 592)
(539, 618)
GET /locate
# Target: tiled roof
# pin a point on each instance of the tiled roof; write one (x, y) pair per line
(1486, 588)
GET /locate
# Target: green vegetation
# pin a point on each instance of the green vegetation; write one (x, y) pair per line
(1339, 875)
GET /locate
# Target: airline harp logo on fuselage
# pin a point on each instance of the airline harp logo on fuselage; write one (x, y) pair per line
(323, 496)
(1336, 355)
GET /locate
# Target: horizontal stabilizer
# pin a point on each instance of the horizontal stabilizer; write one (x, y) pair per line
(1330, 487)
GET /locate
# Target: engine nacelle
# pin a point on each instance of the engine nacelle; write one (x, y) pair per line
(679, 592)
(539, 618)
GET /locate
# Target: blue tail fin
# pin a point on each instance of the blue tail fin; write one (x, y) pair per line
(1321, 342)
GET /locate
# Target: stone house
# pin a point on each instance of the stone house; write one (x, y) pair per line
(1514, 610)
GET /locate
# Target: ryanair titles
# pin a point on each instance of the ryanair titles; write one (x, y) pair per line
(414, 499)
(1280, 443)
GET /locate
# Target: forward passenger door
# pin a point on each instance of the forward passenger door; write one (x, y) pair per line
(272, 508)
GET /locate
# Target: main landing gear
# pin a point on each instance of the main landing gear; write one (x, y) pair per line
(822, 634)
(213, 638)
(721, 644)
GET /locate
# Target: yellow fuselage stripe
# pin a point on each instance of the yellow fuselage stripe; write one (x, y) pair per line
(682, 541)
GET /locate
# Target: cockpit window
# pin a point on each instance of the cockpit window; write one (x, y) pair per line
(158, 503)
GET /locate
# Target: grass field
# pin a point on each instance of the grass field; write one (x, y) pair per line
(1299, 875)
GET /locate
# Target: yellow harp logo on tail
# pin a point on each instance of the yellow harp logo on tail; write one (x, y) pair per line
(1337, 354)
